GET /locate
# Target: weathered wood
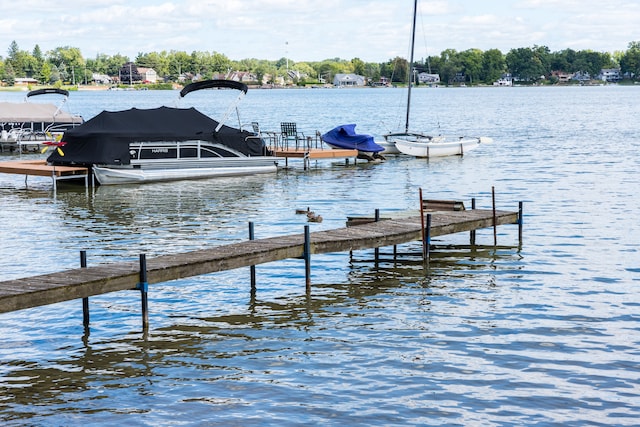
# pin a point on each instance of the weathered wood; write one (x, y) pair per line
(81, 282)
(41, 168)
(443, 205)
(314, 153)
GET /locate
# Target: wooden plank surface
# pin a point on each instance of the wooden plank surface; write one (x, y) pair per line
(315, 153)
(40, 168)
(77, 283)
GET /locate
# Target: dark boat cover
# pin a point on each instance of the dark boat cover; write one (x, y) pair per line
(345, 136)
(105, 138)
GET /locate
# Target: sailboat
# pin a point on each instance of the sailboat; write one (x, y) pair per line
(419, 144)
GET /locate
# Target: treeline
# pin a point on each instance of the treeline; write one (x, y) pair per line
(66, 65)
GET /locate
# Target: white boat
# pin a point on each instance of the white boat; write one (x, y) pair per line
(422, 145)
(419, 144)
(164, 144)
(25, 126)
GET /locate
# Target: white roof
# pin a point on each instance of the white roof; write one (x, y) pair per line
(19, 112)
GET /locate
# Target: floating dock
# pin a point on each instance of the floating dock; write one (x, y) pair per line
(370, 233)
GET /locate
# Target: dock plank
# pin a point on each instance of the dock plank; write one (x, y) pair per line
(78, 283)
(40, 168)
(314, 153)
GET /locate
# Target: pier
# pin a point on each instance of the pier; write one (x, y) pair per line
(365, 233)
(41, 168)
(309, 154)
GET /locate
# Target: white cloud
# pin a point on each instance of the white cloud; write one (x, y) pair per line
(373, 30)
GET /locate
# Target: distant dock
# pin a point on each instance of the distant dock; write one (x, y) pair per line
(87, 281)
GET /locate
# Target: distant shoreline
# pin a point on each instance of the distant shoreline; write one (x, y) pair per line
(89, 88)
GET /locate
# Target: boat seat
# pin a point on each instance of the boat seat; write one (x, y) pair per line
(270, 138)
(256, 127)
(443, 205)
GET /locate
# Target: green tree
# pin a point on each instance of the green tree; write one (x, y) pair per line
(70, 60)
(592, 62)
(529, 64)
(179, 63)
(45, 73)
(493, 65)
(358, 66)
(449, 65)
(22, 62)
(400, 70)
(630, 61)
(471, 63)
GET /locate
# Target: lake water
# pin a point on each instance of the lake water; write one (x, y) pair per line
(543, 334)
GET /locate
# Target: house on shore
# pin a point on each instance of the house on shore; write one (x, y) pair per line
(348, 80)
(505, 80)
(428, 78)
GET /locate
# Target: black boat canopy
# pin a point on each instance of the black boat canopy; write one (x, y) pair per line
(105, 138)
(48, 91)
(210, 84)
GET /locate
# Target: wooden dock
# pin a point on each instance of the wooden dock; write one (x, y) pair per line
(41, 168)
(84, 282)
(308, 154)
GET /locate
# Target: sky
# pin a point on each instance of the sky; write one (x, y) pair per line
(305, 30)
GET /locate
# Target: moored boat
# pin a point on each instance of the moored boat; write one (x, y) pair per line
(164, 144)
(420, 144)
(27, 125)
(345, 137)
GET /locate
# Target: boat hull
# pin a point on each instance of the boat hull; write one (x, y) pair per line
(436, 146)
(179, 170)
(389, 147)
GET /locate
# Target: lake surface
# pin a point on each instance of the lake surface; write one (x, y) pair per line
(543, 334)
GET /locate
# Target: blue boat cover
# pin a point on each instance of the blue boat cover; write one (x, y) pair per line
(345, 136)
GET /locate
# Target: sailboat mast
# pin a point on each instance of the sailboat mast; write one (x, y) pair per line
(413, 41)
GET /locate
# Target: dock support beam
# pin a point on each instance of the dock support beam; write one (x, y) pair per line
(427, 243)
(85, 300)
(307, 258)
(377, 250)
(143, 286)
(472, 233)
(422, 229)
(252, 268)
(495, 222)
(520, 222)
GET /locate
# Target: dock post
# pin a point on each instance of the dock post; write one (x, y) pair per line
(472, 233)
(377, 250)
(307, 258)
(306, 161)
(55, 181)
(520, 221)
(424, 239)
(85, 300)
(253, 267)
(427, 242)
(143, 286)
(495, 222)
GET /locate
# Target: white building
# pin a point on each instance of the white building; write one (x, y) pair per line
(348, 80)
(428, 78)
(610, 75)
(148, 75)
(505, 80)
